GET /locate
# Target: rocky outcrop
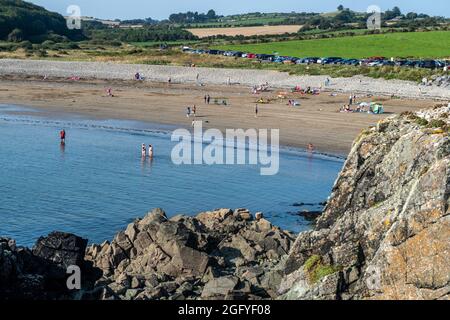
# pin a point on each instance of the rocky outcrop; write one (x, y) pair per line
(222, 254)
(41, 273)
(385, 232)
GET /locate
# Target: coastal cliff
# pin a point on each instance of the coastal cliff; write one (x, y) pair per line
(385, 233)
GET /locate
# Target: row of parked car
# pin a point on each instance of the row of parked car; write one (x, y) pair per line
(371, 62)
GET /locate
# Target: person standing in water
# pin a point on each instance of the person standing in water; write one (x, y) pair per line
(143, 151)
(150, 151)
(62, 135)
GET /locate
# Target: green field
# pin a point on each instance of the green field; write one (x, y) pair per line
(433, 44)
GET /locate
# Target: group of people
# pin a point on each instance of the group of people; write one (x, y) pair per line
(307, 90)
(351, 101)
(144, 151)
(138, 77)
(261, 88)
(293, 103)
(191, 111)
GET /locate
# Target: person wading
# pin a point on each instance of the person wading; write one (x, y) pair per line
(62, 135)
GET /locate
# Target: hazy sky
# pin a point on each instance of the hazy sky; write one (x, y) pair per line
(128, 9)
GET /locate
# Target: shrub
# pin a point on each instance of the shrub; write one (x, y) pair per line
(48, 44)
(16, 35)
(316, 270)
(437, 123)
(421, 121)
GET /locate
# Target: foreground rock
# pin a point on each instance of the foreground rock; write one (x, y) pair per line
(41, 273)
(385, 233)
(221, 254)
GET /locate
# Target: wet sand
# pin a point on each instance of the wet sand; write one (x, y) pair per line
(316, 121)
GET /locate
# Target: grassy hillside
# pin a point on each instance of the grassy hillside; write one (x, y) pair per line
(434, 44)
(20, 20)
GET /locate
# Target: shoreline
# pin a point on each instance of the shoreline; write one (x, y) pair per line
(316, 121)
(145, 127)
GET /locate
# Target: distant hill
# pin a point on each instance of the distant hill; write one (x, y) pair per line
(20, 20)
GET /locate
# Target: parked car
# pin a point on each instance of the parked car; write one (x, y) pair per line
(352, 62)
(429, 64)
(330, 60)
(412, 64)
(313, 60)
(401, 63)
(214, 52)
(387, 63)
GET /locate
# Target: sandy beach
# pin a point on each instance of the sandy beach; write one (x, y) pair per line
(316, 121)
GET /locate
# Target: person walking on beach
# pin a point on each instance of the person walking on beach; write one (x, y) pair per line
(194, 110)
(188, 112)
(350, 100)
(208, 99)
(256, 111)
(62, 135)
(143, 151)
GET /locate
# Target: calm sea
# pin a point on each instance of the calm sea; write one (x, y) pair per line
(98, 183)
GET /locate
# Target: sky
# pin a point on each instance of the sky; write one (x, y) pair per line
(134, 9)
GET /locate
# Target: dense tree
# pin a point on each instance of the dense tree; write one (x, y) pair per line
(391, 14)
(193, 17)
(340, 8)
(154, 33)
(34, 22)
